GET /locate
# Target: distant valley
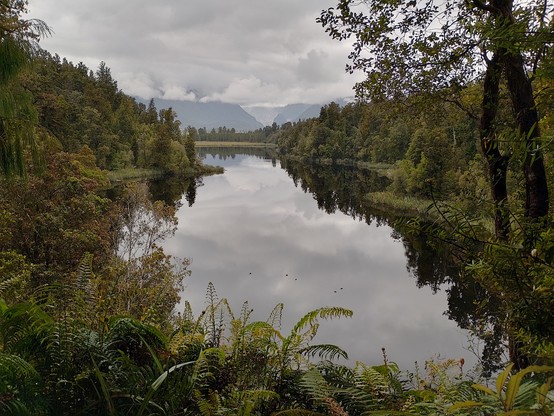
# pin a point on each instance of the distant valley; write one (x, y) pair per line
(212, 115)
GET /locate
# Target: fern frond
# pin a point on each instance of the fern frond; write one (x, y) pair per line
(24, 328)
(315, 384)
(324, 351)
(187, 312)
(333, 407)
(321, 313)
(261, 329)
(203, 369)
(275, 316)
(245, 313)
(211, 295)
(84, 273)
(13, 368)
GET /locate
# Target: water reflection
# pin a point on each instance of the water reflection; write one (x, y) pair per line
(260, 237)
(339, 188)
(224, 152)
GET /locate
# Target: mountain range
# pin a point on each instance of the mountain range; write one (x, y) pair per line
(212, 115)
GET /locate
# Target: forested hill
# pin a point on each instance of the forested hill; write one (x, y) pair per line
(80, 107)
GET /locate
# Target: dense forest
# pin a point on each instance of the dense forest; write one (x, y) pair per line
(87, 295)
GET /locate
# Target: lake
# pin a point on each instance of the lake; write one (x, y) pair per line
(266, 235)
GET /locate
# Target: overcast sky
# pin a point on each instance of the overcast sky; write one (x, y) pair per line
(249, 52)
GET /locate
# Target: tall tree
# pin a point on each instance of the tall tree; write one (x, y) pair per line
(18, 44)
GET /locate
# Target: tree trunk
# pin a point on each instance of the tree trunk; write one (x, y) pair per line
(497, 164)
(523, 102)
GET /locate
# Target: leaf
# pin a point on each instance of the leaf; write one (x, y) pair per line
(105, 388)
(326, 351)
(543, 390)
(159, 381)
(463, 405)
(501, 379)
(323, 313)
(515, 381)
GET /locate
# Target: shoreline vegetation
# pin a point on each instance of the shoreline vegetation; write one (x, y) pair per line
(201, 143)
(131, 174)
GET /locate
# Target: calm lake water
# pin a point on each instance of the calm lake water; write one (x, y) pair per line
(260, 238)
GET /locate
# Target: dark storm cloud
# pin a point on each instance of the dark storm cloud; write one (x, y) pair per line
(243, 51)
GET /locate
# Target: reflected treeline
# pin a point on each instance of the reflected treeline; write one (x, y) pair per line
(339, 188)
(344, 189)
(225, 152)
(469, 305)
(171, 190)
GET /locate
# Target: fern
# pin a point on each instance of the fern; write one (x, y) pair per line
(325, 351)
(323, 313)
(275, 317)
(315, 384)
(23, 329)
(215, 317)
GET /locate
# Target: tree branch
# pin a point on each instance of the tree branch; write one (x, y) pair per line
(486, 7)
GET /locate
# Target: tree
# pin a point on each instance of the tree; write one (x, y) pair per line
(190, 147)
(440, 48)
(18, 44)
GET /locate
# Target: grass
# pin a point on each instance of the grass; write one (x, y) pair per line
(233, 144)
(400, 203)
(134, 173)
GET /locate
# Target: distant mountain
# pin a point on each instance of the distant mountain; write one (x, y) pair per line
(264, 115)
(291, 112)
(297, 112)
(210, 115)
(311, 112)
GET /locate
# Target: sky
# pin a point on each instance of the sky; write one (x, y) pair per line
(247, 52)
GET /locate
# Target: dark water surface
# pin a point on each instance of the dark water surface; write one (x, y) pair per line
(259, 238)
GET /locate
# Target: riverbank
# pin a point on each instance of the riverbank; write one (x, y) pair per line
(130, 174)
(401, 204)
(234, 144)
(383, 168)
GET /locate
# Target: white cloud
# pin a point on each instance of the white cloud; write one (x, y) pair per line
(240, 51)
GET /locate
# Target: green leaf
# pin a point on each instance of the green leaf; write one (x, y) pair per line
(326, 351)
(543, 390)
(464, 405)
(159, 381)
(501, 379)
(515, 381)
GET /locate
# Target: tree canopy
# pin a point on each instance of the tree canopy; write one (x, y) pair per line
(434, 47)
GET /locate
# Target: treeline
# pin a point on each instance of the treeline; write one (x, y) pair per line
(79, 107)
(223, 134)
(429, 145)
(430, 150)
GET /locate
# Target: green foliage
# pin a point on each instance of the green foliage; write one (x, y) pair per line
(19, 389)
(430, 147)
(513, 395)
(18, 46)
(54, 217)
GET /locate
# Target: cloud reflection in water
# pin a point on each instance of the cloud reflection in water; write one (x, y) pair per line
(251, 227)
